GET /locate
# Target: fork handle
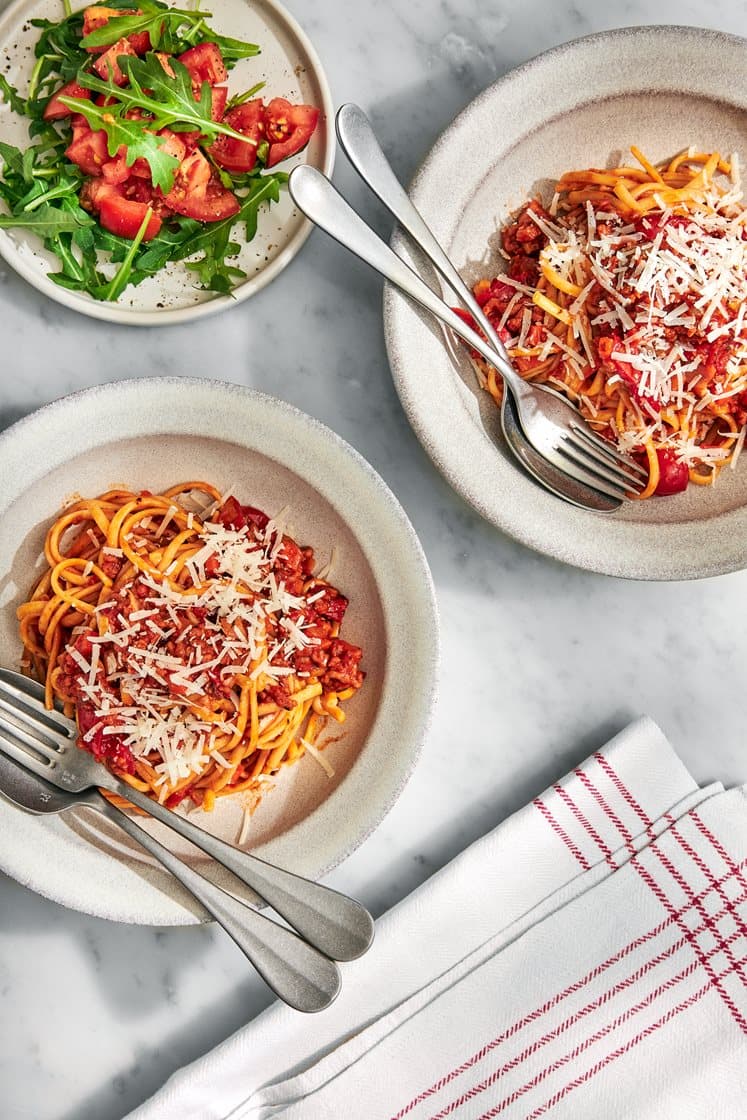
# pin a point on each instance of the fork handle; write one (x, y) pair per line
(359, 143)
(315, 196)
(297, 973)
(338, 926)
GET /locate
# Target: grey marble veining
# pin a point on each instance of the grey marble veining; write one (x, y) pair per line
(94, 1016)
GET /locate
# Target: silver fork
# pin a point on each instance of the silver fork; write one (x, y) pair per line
(45, 742)
(553, 426)
(300, 975)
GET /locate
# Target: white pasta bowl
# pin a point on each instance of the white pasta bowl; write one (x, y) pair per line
(577, 106)
(150, 434)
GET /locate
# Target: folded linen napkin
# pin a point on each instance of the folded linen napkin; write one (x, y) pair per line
(587, 958)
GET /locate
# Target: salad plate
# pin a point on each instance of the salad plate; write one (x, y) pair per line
(581, 105)
(288, 66)
(147, 435)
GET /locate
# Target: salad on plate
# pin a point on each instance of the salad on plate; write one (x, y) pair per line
(140, 151)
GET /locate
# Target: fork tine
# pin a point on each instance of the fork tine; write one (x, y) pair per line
(576, 470)
(12, 715)
(611, 451)
(14, 747)
(620, 487)
(19, 690)
(588, 457)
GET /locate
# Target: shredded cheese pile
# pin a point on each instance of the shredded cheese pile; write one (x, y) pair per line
(242, 600)
(650, 262)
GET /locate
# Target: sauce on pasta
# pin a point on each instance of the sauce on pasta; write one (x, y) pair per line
(190, 638)
(628, 294)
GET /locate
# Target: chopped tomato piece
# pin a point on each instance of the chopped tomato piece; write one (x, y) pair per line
(466, 317)
(198, 194)
(235, 516)
(55, 110)
(88, 148)
(524, 269)
(231, 514)
(256, 517)
(715, 358)
(331, 605)
(342, 665)
(124, 217)
(673, 474)
(116, 170)
(118, 213)
(288, 128)
(175, 799)
(107, 66)
(205, 64)
(110, 749)
(98, 16)
(220, 98)
(235, 155)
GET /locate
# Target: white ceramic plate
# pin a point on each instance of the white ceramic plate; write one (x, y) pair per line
(580, 105)
(149, 434)
(291, 68)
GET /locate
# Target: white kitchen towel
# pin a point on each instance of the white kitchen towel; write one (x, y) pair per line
(586, 958)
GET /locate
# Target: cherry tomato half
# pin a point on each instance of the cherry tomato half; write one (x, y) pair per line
(673, 474)
(234, 155)
(288, 128)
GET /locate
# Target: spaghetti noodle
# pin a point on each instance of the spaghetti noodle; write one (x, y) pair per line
(628, 294)
(190, 639)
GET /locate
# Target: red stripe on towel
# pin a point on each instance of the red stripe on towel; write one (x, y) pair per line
(557, 828)
(571, 989)
(618, 1053)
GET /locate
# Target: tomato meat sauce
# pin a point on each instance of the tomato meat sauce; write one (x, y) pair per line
(178, 639)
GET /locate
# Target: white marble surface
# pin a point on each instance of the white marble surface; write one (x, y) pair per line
(94, 1016)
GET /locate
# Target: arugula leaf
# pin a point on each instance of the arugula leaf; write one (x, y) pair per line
(114, 288)
(139, 141)
(46, 221)
(59, 56)
(171, 29)
(242, 98)
(11, 96)
(12, 157)
(169, 101)
(232, 49)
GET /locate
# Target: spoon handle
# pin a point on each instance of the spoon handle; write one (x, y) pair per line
(315, 196)
(360, 145)
(300, 975)
(340, 927)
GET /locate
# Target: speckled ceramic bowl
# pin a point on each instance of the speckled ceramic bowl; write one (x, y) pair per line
(149, 434)
(580, 105)
(291, 68)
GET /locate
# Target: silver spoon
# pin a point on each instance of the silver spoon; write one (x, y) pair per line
(300, 975)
